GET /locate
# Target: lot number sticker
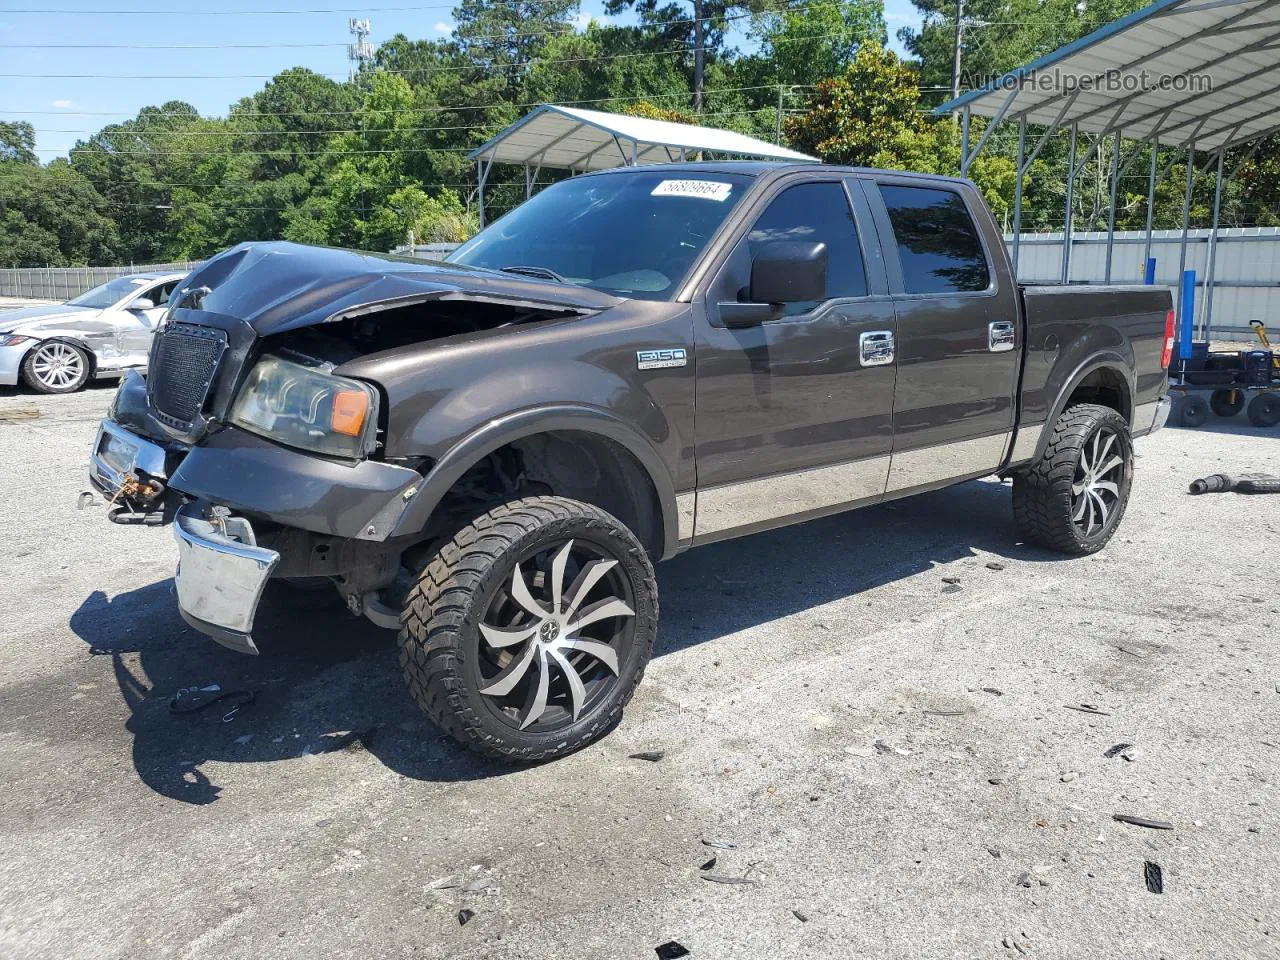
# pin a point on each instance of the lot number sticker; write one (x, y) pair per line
(698, 189)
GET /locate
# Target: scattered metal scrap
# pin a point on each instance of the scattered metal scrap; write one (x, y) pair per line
(464, 917)
(671, 950)
(653, 756)
(1087, 708)
(1119, 748)
(1142, 821)
(719, 844)
(191, 699)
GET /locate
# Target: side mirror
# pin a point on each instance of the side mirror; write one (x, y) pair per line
(782, 271)
(142, 303)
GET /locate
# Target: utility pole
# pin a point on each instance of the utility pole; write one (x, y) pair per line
(359, 53)
(698, 55)
(955, 63)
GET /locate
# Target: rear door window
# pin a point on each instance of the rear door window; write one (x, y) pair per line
(816, 212)
(938, 243)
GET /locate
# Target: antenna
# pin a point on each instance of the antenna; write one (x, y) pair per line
(359, 53)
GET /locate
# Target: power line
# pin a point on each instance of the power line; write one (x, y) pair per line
(416, 71)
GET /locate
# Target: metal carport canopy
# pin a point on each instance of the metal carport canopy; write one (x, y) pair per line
(570, 138)
(1233, 43)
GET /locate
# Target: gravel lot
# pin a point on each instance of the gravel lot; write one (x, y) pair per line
(893, 761)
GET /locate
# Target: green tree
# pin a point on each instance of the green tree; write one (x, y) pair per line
(507, 35)
(52, 216)
(804, 45)
(17, 142)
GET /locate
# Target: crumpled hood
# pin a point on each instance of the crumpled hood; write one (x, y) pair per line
(280, 286)
(30, 319)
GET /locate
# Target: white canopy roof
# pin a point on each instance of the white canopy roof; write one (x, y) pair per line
(1235, 44)
(576, 139)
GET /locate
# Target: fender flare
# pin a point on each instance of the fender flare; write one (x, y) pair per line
(1102, 360)
(478, 444)
(67, 339)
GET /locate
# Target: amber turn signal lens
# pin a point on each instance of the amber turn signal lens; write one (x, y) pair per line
(349, 410)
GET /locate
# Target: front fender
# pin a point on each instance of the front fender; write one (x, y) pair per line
(497, 433)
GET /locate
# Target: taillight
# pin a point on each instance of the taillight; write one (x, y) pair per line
(1167, 355)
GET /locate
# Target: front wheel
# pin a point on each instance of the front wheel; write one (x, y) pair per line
(1073, 497)
(56, 367)
(527, 633)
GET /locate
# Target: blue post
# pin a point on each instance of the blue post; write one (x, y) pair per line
(1149, 278)
(1186, 319)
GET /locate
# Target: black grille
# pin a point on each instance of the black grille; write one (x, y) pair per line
(182, 370)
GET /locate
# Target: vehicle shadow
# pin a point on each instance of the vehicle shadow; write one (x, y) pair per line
(322, 671)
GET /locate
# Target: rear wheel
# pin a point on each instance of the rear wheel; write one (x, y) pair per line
(1264, 409)
(56, 367)
(1073, 497)
(528, 632)
(1226, 403)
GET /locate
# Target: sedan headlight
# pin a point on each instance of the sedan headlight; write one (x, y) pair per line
(307, 408)
(13, 339)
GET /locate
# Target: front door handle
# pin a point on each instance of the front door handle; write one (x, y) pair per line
(1001, 336)
(875, 348)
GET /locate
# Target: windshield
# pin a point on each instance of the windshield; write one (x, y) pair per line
(632, 234)
(111, 292)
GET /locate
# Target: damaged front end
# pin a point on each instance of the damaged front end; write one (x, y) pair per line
(247, 436)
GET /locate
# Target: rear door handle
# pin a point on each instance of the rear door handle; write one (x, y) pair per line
(1001, 336)
(875, 348)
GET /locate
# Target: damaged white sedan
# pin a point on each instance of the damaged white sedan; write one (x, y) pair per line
(57, 348)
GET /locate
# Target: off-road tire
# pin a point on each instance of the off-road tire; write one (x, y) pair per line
(439, 623)
(1042, 496)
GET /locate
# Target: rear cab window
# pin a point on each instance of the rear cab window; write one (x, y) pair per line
(937, 241)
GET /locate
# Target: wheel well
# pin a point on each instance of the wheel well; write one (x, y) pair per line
(1106, 387)
(568, 463)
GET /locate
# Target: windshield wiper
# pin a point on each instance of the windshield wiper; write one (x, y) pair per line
(544, 273)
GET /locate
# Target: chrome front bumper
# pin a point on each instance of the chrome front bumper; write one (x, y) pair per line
(221, 575)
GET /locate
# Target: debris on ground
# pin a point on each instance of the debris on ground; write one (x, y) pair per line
(653, 756)
(1142, 821)
(482, 885)
(994, 691)
(1154, 876)
(995, 565)
(994, 851)
(87, 499)
(722, 878)
(339, 740)
(944, 713)
(20, 413)
(1119, 748)
(719, 844)
(191, 699)
(1223, 483)
(671, 950)
(1087, 708)
(952, 588)
(883, 747)
(1023, 879)
(951, 580)
(800, 915)
(464, 917)
(1069, 776)
(709, 864)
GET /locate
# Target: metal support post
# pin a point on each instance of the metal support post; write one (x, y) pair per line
(1151, 201)
(1111, 213)
(1183, 316)
(1017, 195)
(1213, 250)
(1068, 217)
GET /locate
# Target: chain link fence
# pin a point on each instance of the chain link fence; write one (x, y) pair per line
(63, 283)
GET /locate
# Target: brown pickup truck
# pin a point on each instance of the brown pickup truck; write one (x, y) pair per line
(490, 453)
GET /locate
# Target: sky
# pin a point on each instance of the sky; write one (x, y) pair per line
(105, 75)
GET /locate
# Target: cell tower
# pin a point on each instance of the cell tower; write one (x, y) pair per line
(360, 52)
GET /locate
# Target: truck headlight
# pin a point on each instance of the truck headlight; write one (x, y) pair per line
(307, 408)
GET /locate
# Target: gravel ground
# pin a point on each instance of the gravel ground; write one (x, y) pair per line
(893, 761)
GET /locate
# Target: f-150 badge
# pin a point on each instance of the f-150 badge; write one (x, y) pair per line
(658, 359)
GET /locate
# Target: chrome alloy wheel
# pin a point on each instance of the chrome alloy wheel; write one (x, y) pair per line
(548, 660)
(57, 365)
(1095, 491)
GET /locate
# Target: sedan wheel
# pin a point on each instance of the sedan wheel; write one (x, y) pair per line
(56, 367)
